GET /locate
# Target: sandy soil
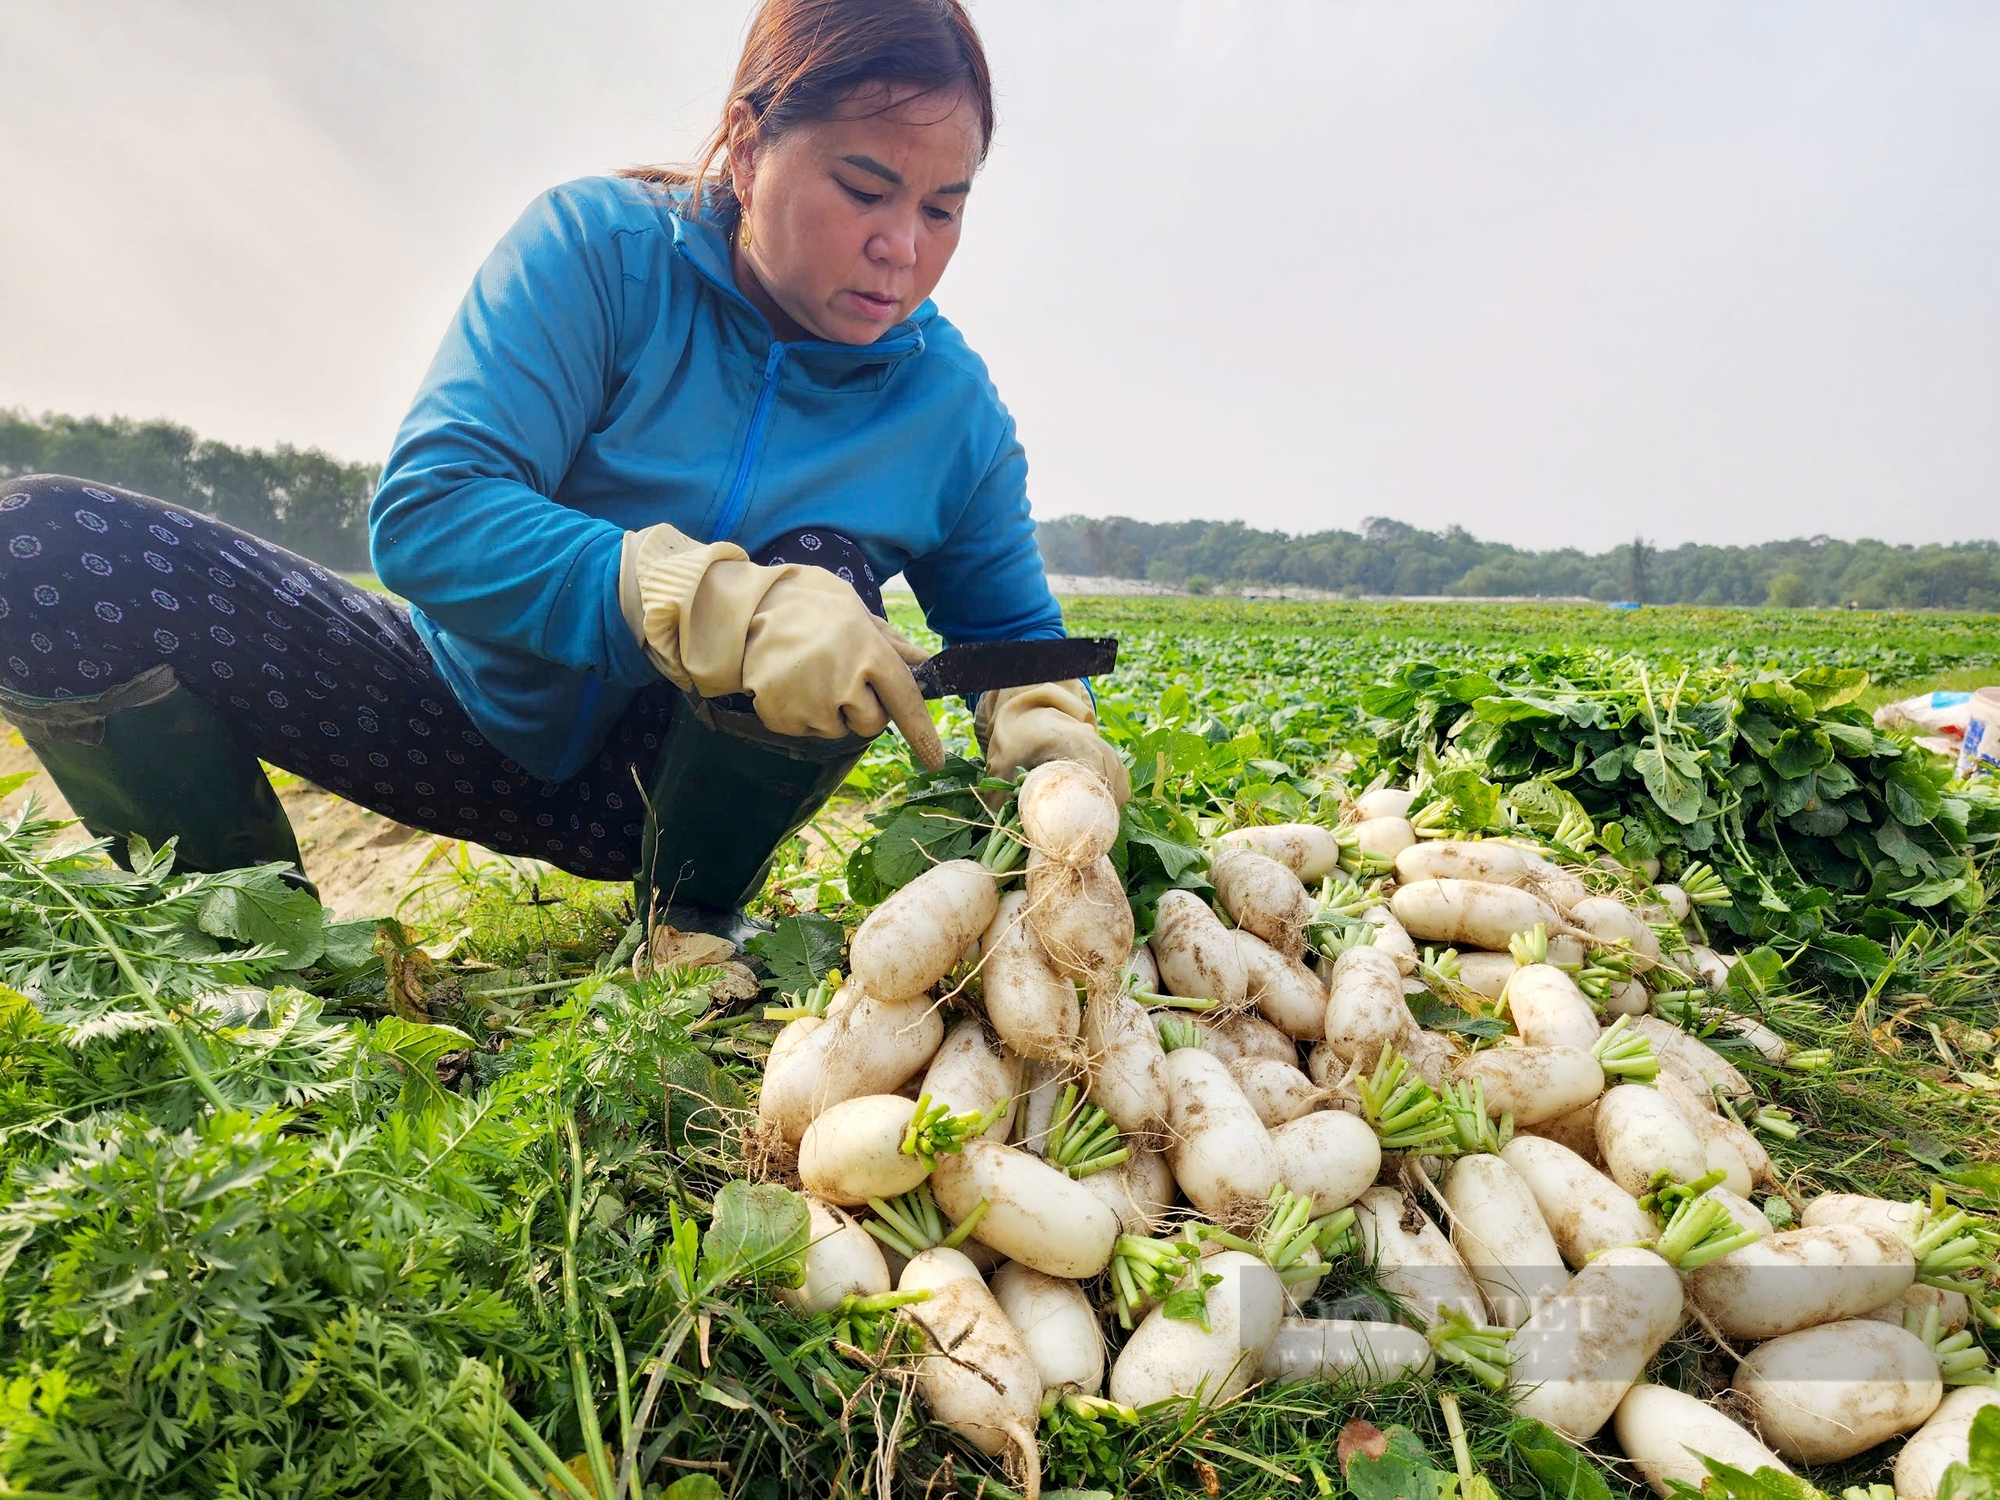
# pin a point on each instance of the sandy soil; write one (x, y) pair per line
(362, 862)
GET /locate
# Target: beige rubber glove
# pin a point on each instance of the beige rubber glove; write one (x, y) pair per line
(797, 639)
(1025, 726)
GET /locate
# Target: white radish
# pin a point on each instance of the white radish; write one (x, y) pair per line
(1710, 967)
(1284, 991)
(1384, 838)
(1746, 1214)
(1631, 998)
(1585, 1211)
(1566, 950)
(1384, 802)
(977, 1376)
(842, 1259)
(1328, 1156)
(1498, 1231)
(1674, 899)
(1032, 1005)
(1413, 1262)
(1365, 1009)
(1462, 859)
(1341, 1352)
(1128, 1069)
(1263, 897)
(1575, 1359)
(1576, 1130)
(1310, 852)
(1858, 1208)
(1057, 1323)
(863, 1045)
(854, 1151)
(1486, 973)
(1278, 1091)
(1534, 1084)
(1035, 1214)
(1391, 939)
(1769, 1045)
(1081, 916)
(1468, 913)
(1827, 1393)
(1610, 920)
(1434, 1055)
(1953, 1311)
(1802, 1277)
(1067, 812)
(1945, 1439)
(1639, 1133)
(1249, 1035)
(1168, 1357)
(1139, 1190)
(1220, 1153)
(1662, 1431)
(1198, 957)
(913, 939)
(1695, 1062)
(1145, 974)
(971, 1073)
(1549, 1010)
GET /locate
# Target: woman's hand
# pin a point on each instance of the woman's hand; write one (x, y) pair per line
(817, 663)
(797, 639)
(1025, 726)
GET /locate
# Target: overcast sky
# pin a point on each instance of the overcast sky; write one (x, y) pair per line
(1712, 269)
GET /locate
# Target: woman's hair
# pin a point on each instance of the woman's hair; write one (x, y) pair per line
(803, 59)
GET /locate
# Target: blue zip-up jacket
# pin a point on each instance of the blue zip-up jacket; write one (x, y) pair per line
(604, 374)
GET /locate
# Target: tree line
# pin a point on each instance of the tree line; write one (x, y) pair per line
(303, 499)
(1392, 558)
(317, 505)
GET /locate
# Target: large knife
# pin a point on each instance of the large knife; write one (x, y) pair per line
(981, 666)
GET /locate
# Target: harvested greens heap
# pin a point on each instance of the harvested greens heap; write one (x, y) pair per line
(1118, 1139)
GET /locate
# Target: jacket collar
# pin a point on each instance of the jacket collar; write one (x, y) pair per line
(704, 245)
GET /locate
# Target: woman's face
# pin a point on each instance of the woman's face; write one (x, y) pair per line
(852, 221)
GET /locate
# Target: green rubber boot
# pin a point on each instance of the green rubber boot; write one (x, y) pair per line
(148, 757)
(725, 793)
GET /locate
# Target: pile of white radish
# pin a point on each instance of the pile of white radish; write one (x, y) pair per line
(1073, 1168)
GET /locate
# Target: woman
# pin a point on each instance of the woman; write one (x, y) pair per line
(680, 427)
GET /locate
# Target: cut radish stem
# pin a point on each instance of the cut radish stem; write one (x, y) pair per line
(1404, 1111)
(1624, 1056)
(1082, 1139)
(912, 1224)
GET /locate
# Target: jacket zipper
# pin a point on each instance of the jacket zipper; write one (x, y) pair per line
(732, 508)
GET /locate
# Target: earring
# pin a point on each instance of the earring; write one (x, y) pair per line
(743, 230)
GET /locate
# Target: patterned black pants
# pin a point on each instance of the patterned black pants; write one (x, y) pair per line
(322, 677)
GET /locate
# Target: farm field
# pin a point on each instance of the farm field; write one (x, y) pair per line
(456, 1203)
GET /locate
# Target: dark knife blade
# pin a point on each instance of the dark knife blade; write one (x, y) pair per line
(981, 666)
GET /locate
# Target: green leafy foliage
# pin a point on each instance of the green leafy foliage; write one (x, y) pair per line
(799, 952)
